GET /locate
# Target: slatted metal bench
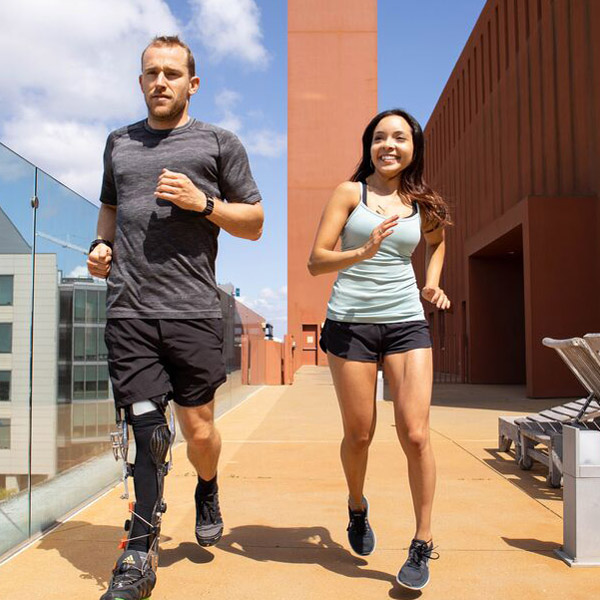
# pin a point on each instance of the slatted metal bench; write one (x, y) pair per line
(538, 437)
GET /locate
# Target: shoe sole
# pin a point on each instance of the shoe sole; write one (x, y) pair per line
(207, 542)
(411, 587)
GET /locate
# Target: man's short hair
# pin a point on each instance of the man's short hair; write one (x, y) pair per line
(173, 40)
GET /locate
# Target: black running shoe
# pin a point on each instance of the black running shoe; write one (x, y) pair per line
(360, 534)
(133, 577)
(414, 573)
(209, 523)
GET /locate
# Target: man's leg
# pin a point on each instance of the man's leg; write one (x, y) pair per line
(203, 439)
(134, 575)
(203, 449)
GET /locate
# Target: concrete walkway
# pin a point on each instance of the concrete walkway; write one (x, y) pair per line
(283, 499)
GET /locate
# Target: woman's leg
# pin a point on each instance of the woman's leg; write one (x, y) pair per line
(355, 388)
(410, 375)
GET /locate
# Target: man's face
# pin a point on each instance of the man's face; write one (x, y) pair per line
(166, 82)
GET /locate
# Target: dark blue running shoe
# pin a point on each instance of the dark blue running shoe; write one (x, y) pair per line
(133, 577)
(414, 573)
(209, 522)
(360, 535)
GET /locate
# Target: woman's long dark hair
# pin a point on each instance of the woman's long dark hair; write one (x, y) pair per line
(412, 184)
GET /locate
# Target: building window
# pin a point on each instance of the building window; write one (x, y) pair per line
(91, 382)
(79, 306)
(4, 434)
(102, 382)
(91, 344)
(78, 382)
(6, 290)
(79, 343)
(5, 338)
(91, 307)
(4, 386)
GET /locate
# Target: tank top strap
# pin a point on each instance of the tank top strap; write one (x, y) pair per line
(363, 192)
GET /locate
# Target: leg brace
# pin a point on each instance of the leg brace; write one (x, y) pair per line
(160, 445)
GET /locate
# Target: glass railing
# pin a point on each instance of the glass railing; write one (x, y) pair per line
(56, 406)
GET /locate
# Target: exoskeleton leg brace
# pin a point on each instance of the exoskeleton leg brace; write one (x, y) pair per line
(154, 436)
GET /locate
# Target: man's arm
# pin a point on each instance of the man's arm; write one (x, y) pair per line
(100, 257)
(236, 218)
(240, 220)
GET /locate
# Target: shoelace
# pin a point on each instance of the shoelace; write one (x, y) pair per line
(420, 552)
(358, 521)
(128, 577)
(209, 509)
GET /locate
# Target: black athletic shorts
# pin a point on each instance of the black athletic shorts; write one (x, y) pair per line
(153, 357)
(370, 342)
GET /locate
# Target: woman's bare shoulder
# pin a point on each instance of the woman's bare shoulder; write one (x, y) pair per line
(347, 193)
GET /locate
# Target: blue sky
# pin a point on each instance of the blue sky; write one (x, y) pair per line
(71, 77)
(419, 43)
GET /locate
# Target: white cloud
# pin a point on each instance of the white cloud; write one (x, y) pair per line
(78, 272)
(69, 150)
(230, 29)
(266, 142)
(271, 304)
(227, 98)
(261, 142)
(226, 101)
(70, 71)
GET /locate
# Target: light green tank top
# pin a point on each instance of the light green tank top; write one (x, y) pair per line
(382, 289)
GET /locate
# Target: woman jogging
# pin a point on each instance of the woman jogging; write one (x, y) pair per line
(375, 316)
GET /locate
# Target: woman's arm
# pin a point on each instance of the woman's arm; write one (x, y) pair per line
(323, 258)
(434, 261)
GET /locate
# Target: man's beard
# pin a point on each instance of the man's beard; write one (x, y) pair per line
(164, 113)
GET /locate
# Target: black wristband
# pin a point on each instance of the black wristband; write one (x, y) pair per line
(210, 205)
(97, 242)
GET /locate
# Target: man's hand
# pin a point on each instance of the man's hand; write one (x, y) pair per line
(99, 260)
(179, 189)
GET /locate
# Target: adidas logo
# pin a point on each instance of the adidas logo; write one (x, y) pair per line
(129, 560)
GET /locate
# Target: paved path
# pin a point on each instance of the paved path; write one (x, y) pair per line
(283, 499)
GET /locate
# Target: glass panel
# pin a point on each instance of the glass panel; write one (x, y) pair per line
(6, 290)
(78, 382)
(91, 382)
(78, 343)
(78, 420)
(17, 185)
(79, 304)
(91, 343)
(102, 381)
(6, 338)
(67, 307)
(102, 306)
(91, 307)
(102, 349)
(4, 386)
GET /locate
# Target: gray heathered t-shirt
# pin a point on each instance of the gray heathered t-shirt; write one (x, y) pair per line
(163, 263)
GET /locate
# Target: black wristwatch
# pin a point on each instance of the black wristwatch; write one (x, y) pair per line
(97, 242)
(210, 204)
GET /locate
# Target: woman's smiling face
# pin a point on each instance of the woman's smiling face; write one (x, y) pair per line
(392, 146)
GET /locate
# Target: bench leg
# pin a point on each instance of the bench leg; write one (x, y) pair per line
(504, 443)
(555, 461)
(525, 461)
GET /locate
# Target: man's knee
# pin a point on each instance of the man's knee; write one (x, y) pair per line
(201, 435)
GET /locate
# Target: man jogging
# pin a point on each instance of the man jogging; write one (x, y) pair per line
(170, 184)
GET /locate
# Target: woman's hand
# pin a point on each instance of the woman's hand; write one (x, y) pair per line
(437, 296)
(370, 249)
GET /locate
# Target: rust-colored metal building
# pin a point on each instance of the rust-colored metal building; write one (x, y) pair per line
(513, 144)
(332, 93)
